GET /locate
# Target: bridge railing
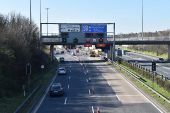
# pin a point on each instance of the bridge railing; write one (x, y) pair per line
(162, 38)
(49, 34)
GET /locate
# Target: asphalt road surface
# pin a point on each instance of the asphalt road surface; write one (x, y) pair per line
(162, 68)
(92, 86)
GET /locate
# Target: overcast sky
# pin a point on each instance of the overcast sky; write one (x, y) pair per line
(125, 13)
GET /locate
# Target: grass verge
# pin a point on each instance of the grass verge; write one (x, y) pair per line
(153, 54)
(9, 104)
(161, 102)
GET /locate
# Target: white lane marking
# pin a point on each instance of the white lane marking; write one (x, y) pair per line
(69, 77)
(68, 86)
(89, 92)
(42, 99)
(92, 109)
(108, 83)
(87, 71)
(112, 96)
(86, 80)
(65, 102)
(127, 81)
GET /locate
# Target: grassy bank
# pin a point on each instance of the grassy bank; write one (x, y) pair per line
(9, 104)
(153, 54)
(147, 91)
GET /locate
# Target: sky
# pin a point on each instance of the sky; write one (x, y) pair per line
(125, 13)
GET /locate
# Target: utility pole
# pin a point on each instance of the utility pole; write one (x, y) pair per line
(30, 13)
(142, 20)
(47, 20)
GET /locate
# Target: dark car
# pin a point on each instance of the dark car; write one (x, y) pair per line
(62, 52)
(161, 59)
(56, 90)
(61, 59)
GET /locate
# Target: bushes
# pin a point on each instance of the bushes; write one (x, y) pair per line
(19, 44)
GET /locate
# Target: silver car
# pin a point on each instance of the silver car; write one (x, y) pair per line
(62, 71)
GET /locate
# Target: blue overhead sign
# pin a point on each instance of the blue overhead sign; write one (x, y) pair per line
(94, 28)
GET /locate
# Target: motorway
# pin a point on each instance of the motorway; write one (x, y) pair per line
(92, 86)
(162, 68)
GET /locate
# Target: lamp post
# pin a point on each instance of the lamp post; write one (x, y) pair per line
(142, 20)
(40, 20)
(47, 20)
(30, 13)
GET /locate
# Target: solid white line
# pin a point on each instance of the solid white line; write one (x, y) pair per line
(108, 83)
(92, 109)
(68, 86)
(87, 71)
(42, 99)
(65, 102)
(86, 80)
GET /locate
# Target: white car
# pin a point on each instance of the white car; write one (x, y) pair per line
(62, 71)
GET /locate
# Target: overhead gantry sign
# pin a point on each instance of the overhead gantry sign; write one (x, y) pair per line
(77, 33)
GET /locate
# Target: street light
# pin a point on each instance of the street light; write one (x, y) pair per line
(47, 20)
(142, 20)
(30, 13)
(40, 29)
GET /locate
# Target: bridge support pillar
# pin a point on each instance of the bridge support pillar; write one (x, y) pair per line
(168, 53)
(111, 52)
(52, 52)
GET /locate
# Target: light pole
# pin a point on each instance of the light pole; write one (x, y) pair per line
(142, 20)
(47, 20)
(40, 33)
(30, 13)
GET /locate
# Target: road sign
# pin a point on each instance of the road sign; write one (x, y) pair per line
(94, 28)
(69, 28)
(42, 66)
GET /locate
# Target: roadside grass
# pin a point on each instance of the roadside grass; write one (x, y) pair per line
(161, 102)
(153, 54)
(150, 83)
(43, 81)
(9, 104)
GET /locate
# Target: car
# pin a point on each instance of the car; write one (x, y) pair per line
(62, 52)
(161, 59)
(73, 54)
(62, 71)
(56, 90)
(61, 59)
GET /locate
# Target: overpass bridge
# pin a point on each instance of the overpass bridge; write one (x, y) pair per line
(57, 40)
(94, 33)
